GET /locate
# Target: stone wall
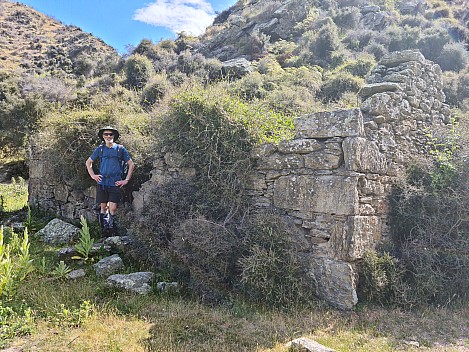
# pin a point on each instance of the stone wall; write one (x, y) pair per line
(334, 178)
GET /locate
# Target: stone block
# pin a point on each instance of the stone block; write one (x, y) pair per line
(280, 161)
(256, 181)
(263, 150)
(335, 281)
(299, 146)
(36, 170)
(58, 232)
(374, 88)
(362, 155)
(399, 57)
(359, 234)
(317, 194)
(61, 193)
(340, 123)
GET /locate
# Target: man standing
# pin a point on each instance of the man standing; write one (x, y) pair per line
(113, 159)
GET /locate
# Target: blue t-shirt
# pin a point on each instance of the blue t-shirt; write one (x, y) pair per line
(110, 167)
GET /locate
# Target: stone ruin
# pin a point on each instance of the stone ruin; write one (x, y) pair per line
(332, 180)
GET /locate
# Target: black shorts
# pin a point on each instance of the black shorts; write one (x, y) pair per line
(108, 194)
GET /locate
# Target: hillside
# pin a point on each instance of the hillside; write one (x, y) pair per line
(37, 43)
(249, 27)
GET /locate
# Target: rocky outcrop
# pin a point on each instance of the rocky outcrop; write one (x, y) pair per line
(243, 23)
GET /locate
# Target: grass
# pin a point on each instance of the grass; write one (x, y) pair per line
(13, 195)
(85, 315)
(125, 322)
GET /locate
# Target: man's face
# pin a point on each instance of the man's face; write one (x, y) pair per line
(108, 135)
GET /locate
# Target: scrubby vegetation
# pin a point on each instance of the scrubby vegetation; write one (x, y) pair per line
(168, 97)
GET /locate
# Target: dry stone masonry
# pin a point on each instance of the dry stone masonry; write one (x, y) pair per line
(334, 178)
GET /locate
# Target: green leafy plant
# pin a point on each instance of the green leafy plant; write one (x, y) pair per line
(15, 262)
(61, 270)
(443, 152)
(382, 279)
(73, 317)
(85, 243)
(30, 222)
(14, 322)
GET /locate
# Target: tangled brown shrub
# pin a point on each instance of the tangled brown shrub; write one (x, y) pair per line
(271, 269)
(208, 251)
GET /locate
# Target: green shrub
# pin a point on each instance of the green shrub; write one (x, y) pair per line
(327, 41)
(453, 57)
(155, 90)
(208, 131)
(14, 322)
(250, 87)
(84, 65)
(292, 101)
(138, 71)
(282, 51)
(429, 231)
(208, 251)
(382, 280)
(399, 38)
(190, 63)
(269, 65)
(360, 67)
(335, 86)
(456, 87)
(376, 49)
(359, 38)
(432, 42)
(347, 18)
(317, 47)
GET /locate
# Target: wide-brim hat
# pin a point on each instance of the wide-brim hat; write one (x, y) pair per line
(108, 128)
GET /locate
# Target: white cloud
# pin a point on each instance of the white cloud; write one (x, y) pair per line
(190, 16)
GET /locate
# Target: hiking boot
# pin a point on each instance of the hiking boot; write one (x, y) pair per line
(102, 224)
(108, 224)
(113, 228)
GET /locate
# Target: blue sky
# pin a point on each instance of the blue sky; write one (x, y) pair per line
(126, 22)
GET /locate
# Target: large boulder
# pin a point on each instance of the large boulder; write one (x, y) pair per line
(58, 232)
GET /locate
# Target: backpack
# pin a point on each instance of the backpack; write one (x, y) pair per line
(120, 155)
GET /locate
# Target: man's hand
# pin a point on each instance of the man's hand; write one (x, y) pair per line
(122, 183)
(97, 178)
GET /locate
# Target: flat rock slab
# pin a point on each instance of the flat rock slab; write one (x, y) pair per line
(135, 282)
(308, 345)
(108, 266)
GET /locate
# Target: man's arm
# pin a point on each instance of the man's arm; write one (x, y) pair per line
(131, 166)
(89, 167)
